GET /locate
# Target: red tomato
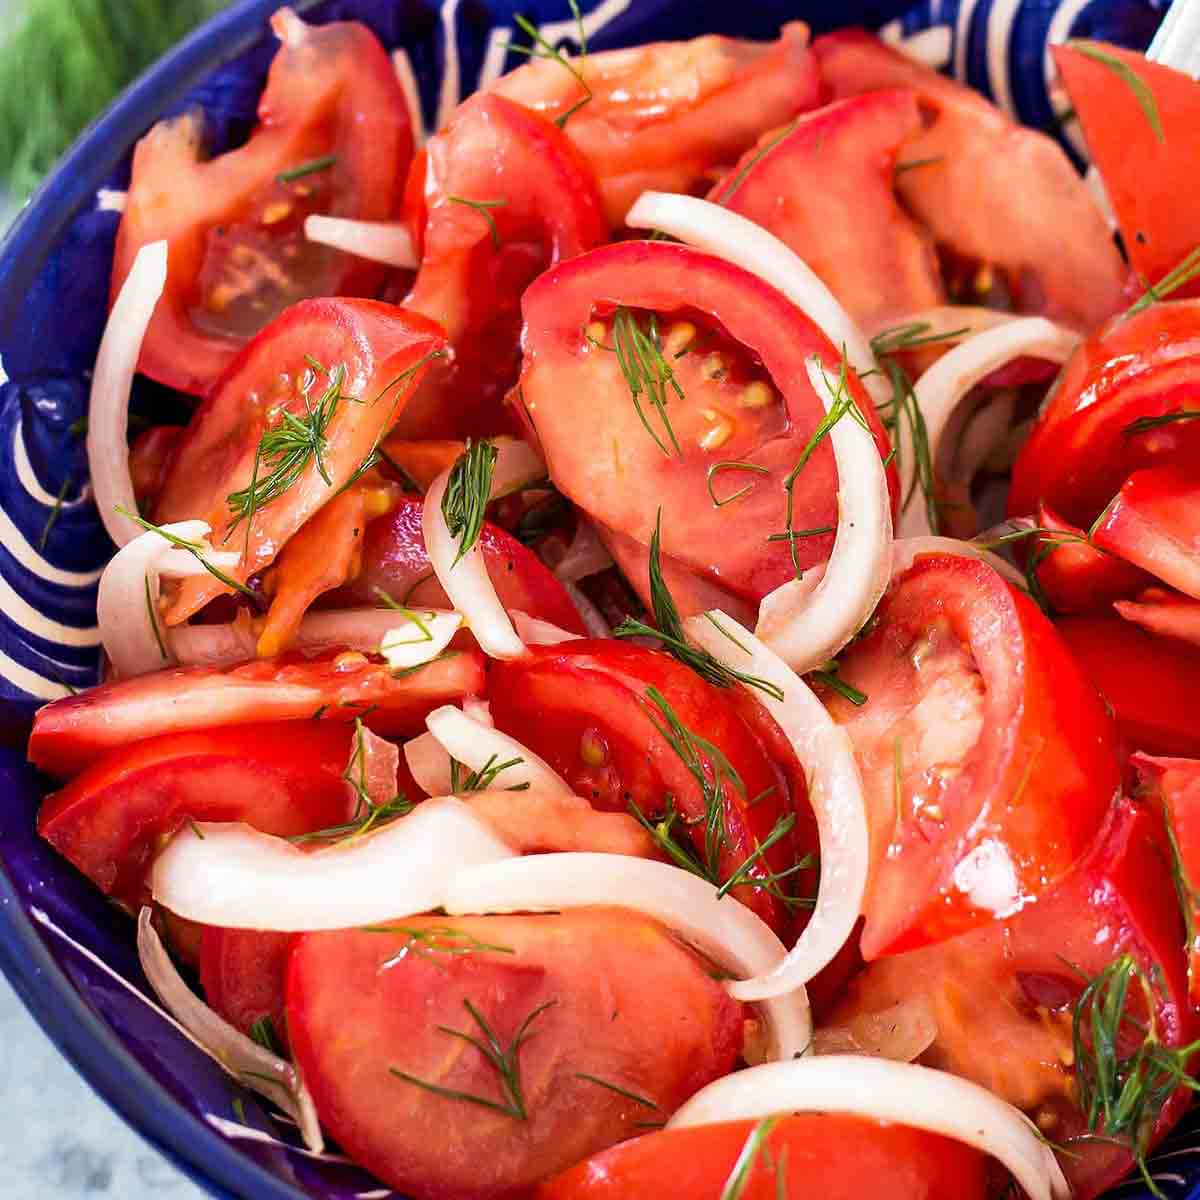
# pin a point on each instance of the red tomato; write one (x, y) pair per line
(826, 191)
(739, 352)
(506, 196)
(1154, 523)
(1146, 166)
(803, 1156)
(1076, 576)
(585, 708)
(111, 820)
(1003, 995)
(380, 348)
(394, 560)
(662, 116)
(242, 972)
(235, 224)
(1103, 419)
(71, 733)
(149, 453)
(1151, 683)
(1167, 613)
(988, 760)
(596, 999)
(995, 194)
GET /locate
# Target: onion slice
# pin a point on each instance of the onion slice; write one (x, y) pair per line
(905, 551)
(245, 1060)
(429, 764)
(483, 747)
(380, 241)
(108, 408)
(834, 791)
(533, 631)
(902, 1032)
(586, 555)
(720, 927)
(877, 1088)
(234, 876)
(807, 626)
(518, 466)
(426, 633)
(592, 618)
(953, 322)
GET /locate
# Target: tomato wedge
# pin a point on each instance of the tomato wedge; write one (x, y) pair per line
(333, 137)
(371, 356)
(662, 116)
(610, 1020)
(588, 708)
(826, 191)
(1151, 683)
(242, 972)
(742, 414)
(990, 191)
(111, 820)
(506, 196)
(802, 1156)
(1003, 996)
(1120, 405)
(987, 757)
(1144, 138)
(70, 734)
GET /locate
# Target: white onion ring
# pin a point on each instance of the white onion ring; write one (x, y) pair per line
(475, 744)
(108, 408)
(806, 626)
(905, 551)
(419, 639)
(380, 241)
(983, 431)
(466, 582)
(429, 764)
(518, 466)
(592, 618)
(834, 791)
(941, 389)
(533, 631)
(402, 65)
(886, 1091)
(234, 876)
(245, 1060)
(720, 927)
(948, 318)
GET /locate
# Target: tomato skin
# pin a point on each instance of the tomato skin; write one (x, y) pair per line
(242, 972)
(71, 733)
(1151, 683)
(576, 400)
(1082, 449)
(333, 92)
(1077, 576)
(837, 161)
(627, 1005)
(1002, 995)
(111, 820)
(215, 457)
(1030, 791)
(824, 1154)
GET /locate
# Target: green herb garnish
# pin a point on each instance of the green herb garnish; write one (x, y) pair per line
(1183, 272)
(483, 207)
(468, 491)
(196, 549)
(435, 944)
(1141, 93)
(616, 1087)
(717, 468)
(307, 168)
(754, 1145)
(1145, 424)
(542, 49)
(55, 512)
(263, 1032)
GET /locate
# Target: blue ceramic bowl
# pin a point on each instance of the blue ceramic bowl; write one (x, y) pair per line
(69, 954)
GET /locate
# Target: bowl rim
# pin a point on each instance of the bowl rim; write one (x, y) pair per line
(86, 1041)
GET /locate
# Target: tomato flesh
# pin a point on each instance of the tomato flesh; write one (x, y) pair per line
(1075, 575)
(242, 972)
(1167, 613)
(625, 1004)
(987, 757)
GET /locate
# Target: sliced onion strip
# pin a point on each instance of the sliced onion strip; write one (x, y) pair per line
(722, 928)
(418, 637)
(905, 552)
(380, 241)
(834, 791)
(429, 764)
(533, 631)
(481, 747)
(886, 1091)
(586, 555)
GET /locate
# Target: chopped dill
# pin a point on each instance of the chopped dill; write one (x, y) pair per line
(468, 491)
(152, 613)
(754, 1146)
(1183, 272)
(1145, 424)
(615, 1087)
(1141, 93)
(483, 208)
(482, 780)
(736, 182)
(311, 167)
(196, 549)
(540, 48)
(263, 1032)
(830, 677)
(717, 468)
(435, 944)
(55, 512)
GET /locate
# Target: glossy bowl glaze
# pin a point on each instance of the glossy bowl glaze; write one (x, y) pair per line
(69, 954)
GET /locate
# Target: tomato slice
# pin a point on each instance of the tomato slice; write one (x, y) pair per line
(242, 972)
(383, 352)
(605, 999)
(995, 193)
(661, 116)
(587, 708)
(506, 196)
(988, 759)
(804, 1155)
(1166, 613)
(235, 224)
(1151, 683)
(1120, 405)
(71, 733)
(739, 352)
(111, 820)
(1146, 165)
(1003, 995)
(826, 190)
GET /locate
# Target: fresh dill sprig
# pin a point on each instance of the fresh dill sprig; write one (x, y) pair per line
(913, 164)
(830, 676)
(1049, 540)
(482, 780)
(736, 182)
(717, 468)
(616, 1087)
(263, 1032)
(771, 883)
(1141, 93)
(541, 48)
(468, 491)
(435, 944)
(647, 373)
(504, 1060)
(754, 1146)
(1145, 424)
(424, 633)
(668, 629)
(196, 549)
(483, 207)
(55, 512)
(913, 335)
(152, 613)
(1183, 272)
(311, 167)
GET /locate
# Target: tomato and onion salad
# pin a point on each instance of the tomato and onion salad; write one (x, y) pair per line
(563, 634)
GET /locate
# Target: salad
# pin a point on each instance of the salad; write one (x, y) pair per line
(578, 721)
